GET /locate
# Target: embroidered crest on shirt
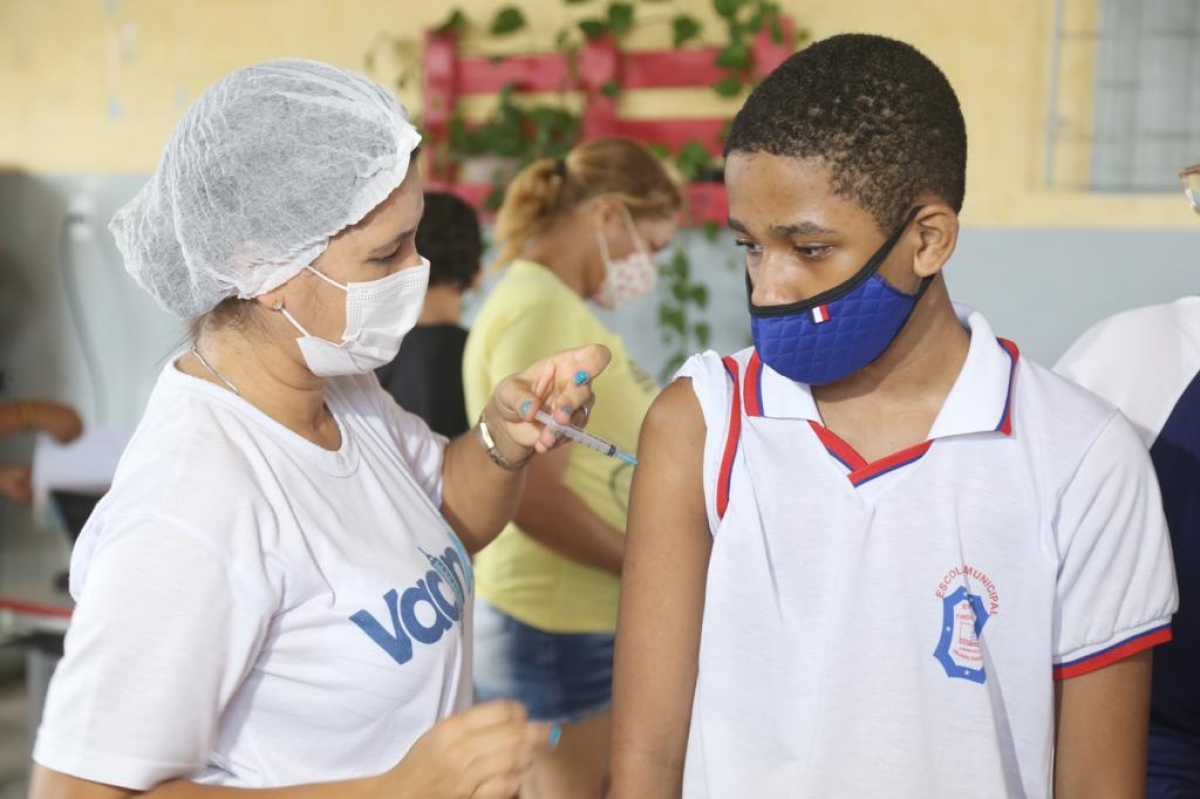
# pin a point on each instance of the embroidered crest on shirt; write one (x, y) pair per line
(963, 616)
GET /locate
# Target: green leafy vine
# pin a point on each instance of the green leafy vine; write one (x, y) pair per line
(519, 133)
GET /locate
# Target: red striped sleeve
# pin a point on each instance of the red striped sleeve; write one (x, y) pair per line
(753, 386)
(1113, 654)
(732, 435)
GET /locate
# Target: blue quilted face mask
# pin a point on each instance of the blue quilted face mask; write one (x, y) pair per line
(838, 332)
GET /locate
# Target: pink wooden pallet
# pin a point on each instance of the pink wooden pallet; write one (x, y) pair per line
(449, 76)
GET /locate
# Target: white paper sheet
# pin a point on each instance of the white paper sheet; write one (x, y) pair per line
(86, 465)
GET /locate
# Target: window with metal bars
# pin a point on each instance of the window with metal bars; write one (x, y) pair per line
(1147, 94)
(1124, 106)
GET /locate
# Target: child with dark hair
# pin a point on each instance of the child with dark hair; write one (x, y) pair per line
(426, 377)
(879, 553)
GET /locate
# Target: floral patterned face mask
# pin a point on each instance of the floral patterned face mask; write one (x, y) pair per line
(627, 279)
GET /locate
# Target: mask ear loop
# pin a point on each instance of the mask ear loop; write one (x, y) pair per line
(634, 236)
(279, 307)
(327, 279)
(603, 248)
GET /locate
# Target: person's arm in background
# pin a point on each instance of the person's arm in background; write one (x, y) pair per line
(558, 518)
(550, 513)
(60, 421)
(1102, 720)
(662, 602)
(479, 497)
(16, 483)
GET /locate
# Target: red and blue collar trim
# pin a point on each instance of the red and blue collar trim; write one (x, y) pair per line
(891, 463)
(1005, 424)
(861, 471)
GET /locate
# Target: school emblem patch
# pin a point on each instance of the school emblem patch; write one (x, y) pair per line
(969, 598)
(958, 649)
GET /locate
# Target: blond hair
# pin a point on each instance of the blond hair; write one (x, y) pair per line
(546, 190)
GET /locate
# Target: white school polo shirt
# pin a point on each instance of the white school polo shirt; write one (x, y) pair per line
(256, 611)
(895, 628)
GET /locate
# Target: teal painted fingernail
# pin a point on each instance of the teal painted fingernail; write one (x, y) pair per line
(555, 735)
(567, 410)
(525, 408)
(581, 377)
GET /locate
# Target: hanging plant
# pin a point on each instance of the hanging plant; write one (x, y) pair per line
(682, 300)
(515, 134)
(745, 19)
(510, 139)
(507, 20)
(616, 22)
(455, 24)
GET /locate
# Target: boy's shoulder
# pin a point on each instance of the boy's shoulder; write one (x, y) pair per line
(1063, 420)
(1055, 397)
(715, 379)
(711, 366)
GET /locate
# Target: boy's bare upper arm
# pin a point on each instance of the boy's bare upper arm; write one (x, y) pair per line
(662, 600)
(1102, 721)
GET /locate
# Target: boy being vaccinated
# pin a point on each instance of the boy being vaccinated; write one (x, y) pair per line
(880, 552)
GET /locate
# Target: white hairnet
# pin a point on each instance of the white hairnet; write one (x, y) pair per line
(263, 169)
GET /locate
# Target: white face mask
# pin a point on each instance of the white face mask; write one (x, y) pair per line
(628, 279)
(379, 315)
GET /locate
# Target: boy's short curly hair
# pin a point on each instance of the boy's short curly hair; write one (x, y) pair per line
(878, 112)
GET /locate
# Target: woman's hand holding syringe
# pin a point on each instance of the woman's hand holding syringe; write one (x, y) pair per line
(585, 438)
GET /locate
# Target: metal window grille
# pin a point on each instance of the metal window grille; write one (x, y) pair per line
(1141, 122)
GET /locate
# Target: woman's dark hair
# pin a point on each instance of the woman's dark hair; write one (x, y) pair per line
(450, 237)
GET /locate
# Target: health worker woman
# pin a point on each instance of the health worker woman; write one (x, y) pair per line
(276, 593)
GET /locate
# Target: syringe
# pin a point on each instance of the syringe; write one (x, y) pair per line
(583, 437)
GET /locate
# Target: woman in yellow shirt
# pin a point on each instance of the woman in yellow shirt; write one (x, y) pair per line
(584, 228)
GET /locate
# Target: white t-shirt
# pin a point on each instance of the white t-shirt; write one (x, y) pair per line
(255, 610)
(895, 628)
(1141, 360)
(1146, 361)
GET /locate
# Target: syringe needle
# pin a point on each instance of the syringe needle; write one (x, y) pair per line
(585, 438)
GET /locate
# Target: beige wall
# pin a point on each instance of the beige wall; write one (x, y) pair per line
(96, 85)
